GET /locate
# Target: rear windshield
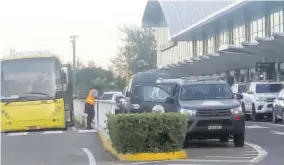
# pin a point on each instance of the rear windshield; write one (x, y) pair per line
(241, 88)
(206, 92)
(167, 87)
(268, 88)
(107, 96)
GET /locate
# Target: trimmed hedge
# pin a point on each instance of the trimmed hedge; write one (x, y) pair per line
(147, 132)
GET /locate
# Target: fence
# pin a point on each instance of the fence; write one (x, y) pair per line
(102, 109)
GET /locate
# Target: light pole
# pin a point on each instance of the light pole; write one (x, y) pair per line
(73, 41)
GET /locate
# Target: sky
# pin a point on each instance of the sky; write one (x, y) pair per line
(28, 25)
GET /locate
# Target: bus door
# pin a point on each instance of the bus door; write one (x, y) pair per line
(68, 94)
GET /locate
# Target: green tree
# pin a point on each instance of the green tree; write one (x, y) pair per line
(97, 77)
(138, 51)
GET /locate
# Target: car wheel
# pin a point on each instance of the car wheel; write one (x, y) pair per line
(283, 116)
(239, 139)
(255, 116)
(224, 139)
(186, 141)
(274, 118)
(247, 116)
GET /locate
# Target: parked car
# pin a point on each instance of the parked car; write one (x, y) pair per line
(258, 99)
(278, 108)
(239, 87)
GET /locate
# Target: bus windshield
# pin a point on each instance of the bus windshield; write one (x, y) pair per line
(33, 77)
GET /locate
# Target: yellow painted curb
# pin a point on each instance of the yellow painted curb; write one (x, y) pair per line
(142, 156)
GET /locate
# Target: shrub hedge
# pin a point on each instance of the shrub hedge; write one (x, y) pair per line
(147, 132)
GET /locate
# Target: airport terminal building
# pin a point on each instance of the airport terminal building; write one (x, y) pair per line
(198, 38)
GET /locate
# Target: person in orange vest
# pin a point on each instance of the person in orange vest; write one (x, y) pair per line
(90, 105)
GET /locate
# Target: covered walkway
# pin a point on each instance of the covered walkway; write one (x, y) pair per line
(230, 57)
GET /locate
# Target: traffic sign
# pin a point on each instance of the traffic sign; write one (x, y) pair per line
(265, 67)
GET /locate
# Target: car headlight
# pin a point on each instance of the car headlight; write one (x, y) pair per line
(260, 99)
(237, 111)
(189, 112)
(158, 108)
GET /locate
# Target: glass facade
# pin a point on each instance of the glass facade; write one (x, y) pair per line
(194, 48)
(239, 35)
(257, 28)
(224, 38)
(276, 21)
(199, 47)
(211, 44)
(270, 21)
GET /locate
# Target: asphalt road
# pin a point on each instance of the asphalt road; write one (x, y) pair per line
(264, 146)
(71, 147)
(81, 147)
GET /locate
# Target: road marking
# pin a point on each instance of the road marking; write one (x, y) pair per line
(277, 125)
(213, 160)
(52, 132)
(74, 129)
(87, 131)
(229, 157)
(251, 151)
(17, 134)
(254, 126)
(186, 164)
(250, 154)
(92, 160)
(151, 162)
(278, 133)
(261, 152)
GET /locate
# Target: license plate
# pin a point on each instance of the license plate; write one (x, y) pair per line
(214, 127)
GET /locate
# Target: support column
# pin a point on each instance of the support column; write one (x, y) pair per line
(267, 20)
(245, 74)
(264, 73)
(247, 25)
(277, 71)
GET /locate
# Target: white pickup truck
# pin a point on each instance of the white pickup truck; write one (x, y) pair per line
(258, 99)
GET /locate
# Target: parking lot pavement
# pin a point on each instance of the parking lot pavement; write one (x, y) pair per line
(211, 152)
(270, 137)
(214, 151)
(72, 147)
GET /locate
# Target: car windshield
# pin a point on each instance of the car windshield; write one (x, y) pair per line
(33, 76)
(154, 94)
(205, 92)
(241, 88)
(268, 88)
(167, 87)
(107, 96)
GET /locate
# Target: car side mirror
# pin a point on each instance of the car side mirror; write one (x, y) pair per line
(169, 100)
(239, 96)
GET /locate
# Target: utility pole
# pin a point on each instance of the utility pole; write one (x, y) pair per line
(73, 41)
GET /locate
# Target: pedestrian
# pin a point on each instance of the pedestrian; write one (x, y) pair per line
(90, 106)
(230, 80)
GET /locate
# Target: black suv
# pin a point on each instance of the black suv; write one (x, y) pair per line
(213, 111)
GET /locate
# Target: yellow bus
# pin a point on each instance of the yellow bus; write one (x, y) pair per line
(32, 93)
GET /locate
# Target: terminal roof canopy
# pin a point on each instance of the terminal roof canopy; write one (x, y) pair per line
(179, 15)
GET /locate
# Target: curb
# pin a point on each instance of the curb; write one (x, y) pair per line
(81, 119)
(141, 156)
